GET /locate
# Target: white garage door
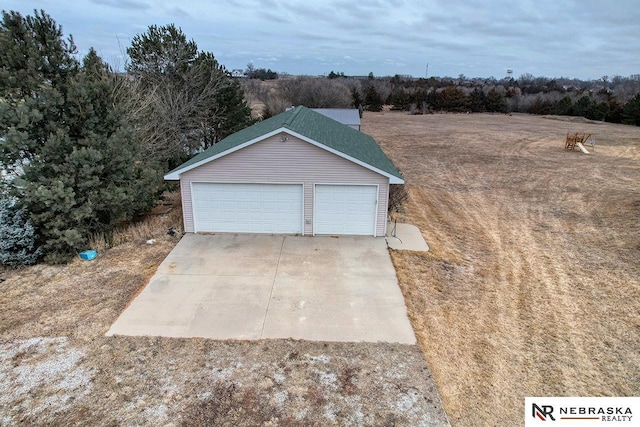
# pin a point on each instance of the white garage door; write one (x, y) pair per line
(248, 208)
(345, 209)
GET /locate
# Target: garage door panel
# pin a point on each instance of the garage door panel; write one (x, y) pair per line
(345, 209)
(250, 208)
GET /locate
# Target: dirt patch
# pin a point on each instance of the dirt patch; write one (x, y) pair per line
(58, 368)
(532, 284)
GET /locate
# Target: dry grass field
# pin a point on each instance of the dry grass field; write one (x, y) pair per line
(532, 284)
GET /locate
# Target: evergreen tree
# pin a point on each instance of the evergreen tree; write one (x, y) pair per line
(74, 160)
(36, 63)
(188, 102)
(356, 99)
(18, 238)
(631, 112)
(584, 107)
(432, 99)
(372, 99)
(422, 99)
(478, 101)
(564, 107)
(615, 110)
(160, 55)
(600, 111)
(496, 102)
(33, 52)
(399, 99)
(454, 99)
(93, 66)
(91, 177)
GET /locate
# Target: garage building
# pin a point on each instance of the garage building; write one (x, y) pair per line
(299, 172)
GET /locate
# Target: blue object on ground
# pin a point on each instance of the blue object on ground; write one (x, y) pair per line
(87, 255)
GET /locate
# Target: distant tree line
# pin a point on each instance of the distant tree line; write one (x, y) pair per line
(613, 100)
(82, 148)
(260, 73)
(314, 92)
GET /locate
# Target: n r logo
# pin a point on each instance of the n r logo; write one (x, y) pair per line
(542, 412)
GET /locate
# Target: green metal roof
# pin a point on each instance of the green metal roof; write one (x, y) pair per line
(312, 125)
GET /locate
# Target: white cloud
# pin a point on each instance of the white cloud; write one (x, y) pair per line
(584, 39)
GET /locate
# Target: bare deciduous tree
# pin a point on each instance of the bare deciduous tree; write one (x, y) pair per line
(317, 92)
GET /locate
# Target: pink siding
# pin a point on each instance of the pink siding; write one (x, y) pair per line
(293, 161)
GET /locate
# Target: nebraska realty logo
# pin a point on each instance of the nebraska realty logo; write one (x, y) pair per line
(582, 411)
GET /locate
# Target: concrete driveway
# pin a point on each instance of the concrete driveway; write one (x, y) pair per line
(252, 286)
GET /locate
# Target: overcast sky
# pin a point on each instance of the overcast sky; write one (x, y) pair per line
(583, 39)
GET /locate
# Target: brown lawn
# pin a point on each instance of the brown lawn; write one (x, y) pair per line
(532, 285)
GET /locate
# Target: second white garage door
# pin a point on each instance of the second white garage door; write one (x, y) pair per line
(247, 208)
(345, 209)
